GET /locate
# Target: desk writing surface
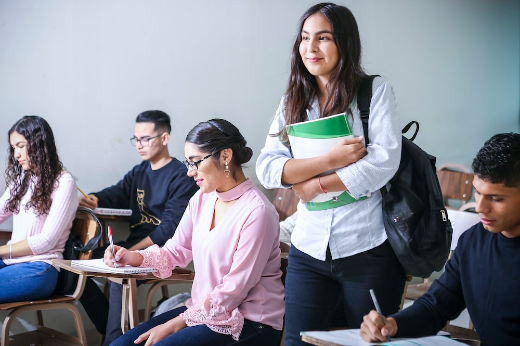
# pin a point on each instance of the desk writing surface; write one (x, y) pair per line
(351, 337)
(177, 274)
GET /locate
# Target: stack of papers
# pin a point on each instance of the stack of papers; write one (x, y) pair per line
(115, 212)
(350, 337)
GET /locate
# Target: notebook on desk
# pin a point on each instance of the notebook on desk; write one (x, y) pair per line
(111, 211)
(350, 337)
(98, 266)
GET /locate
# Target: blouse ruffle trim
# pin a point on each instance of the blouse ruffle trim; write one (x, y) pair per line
(155, 257)
(216, 317)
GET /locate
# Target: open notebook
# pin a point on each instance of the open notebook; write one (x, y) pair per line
(350, 337)
(115, 212)
(97, 265)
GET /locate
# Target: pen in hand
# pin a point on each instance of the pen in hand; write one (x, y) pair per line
(378, 309)
(111, 245)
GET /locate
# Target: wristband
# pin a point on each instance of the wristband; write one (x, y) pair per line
(321, 187)
(10, 252)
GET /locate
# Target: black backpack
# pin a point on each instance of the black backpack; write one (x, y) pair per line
(415, 219)
(67, 280)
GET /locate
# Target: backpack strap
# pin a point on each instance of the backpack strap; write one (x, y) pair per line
(364, 96)
(407, 128)
(92, 242)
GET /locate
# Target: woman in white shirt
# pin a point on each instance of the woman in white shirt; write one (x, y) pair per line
(42, 199)
(341, 251)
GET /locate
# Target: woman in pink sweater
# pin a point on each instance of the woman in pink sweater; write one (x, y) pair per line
(231, 232)
(42, 199)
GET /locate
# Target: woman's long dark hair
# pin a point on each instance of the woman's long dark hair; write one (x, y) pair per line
(215, 135)
(346, 77)
(44, 166)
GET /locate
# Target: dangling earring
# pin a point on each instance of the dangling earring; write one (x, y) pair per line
(227, 171)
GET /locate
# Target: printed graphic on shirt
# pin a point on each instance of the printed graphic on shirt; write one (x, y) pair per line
(146, 217)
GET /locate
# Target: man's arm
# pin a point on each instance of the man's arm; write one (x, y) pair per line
(116, 196)
(143, 244)
(180, 190)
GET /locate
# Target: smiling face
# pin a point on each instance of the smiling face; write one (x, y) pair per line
(208, 176)
(318, 50)
(497, 207)
(19, 144)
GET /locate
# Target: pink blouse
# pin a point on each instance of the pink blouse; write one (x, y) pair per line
(237, 263)
(46, 234)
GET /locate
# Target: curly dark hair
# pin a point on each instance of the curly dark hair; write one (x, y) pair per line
(346, 77)
(44, 166)
(498, 161)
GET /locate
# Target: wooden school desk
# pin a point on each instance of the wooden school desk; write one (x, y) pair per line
(129, 310)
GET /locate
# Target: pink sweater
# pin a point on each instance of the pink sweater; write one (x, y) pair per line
(237, 264)
(46, 234)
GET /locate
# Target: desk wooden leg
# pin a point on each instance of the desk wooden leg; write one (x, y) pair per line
(124, 306)
(133, 312)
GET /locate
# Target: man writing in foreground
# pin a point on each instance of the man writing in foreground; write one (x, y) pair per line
(483, 274)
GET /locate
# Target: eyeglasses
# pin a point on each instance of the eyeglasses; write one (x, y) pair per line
(194, 165)
(144, 141)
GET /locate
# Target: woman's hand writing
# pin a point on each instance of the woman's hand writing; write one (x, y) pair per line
(122, 257)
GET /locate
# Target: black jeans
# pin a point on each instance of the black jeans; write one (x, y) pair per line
(313, 289)
(253, 334)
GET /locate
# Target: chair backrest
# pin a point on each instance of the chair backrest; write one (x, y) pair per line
(85, 232)
(85, 227)
(285, 202)
(455, 184)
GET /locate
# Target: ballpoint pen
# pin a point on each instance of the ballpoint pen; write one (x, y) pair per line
(378, 309)
(111, 244)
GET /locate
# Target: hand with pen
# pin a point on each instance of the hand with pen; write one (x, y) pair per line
(89, 201)
(377, 328)
(122, 257)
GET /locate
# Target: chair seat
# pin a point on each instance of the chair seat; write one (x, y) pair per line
(38, 338)
(51, 299)
(415, 291)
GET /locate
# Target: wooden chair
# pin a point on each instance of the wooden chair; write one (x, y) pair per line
(86, 226)
(456, 183)
(163, 285)
(285, 202)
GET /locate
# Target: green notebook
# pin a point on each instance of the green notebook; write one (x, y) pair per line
(317, 137)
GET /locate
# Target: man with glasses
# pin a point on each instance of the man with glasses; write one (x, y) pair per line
(157, 191)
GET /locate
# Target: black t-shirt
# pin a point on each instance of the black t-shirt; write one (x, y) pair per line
(157, 198)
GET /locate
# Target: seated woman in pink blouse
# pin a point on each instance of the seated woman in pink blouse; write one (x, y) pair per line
(231, 232)
(42, 199)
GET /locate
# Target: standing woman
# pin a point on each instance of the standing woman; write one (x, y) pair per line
(231, 232)
(341, 251)
(42, 199)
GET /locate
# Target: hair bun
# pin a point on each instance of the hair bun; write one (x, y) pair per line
(244, 155)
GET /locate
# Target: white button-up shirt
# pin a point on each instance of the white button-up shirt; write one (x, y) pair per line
(355, 227)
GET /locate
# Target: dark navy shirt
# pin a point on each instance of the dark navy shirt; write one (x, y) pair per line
(157, 198)
(484, 276)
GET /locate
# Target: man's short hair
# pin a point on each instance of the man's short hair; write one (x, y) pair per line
(160, 119)
(498, 161)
